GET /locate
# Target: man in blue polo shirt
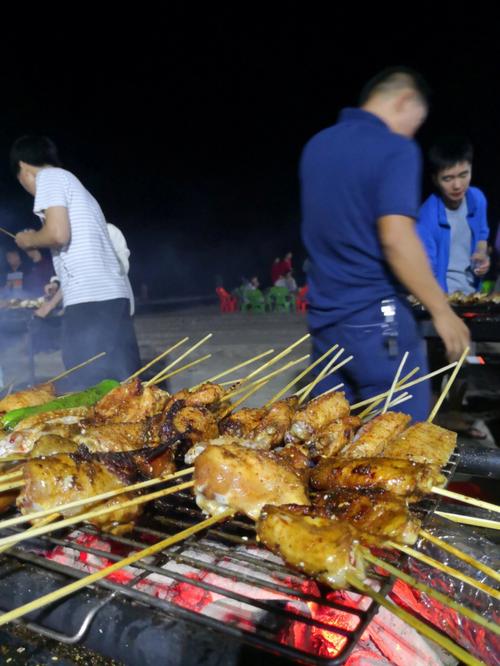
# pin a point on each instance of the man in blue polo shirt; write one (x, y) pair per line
(453, 223)
(360, 188)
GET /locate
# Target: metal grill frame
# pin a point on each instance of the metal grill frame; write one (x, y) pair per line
(179, 511)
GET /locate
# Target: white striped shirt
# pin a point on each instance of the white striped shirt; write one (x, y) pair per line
(88, 267)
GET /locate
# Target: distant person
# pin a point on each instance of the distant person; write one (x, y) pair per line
(453, 223)
(15, 271)
(288, 282)
(123, 253)
(276, 270)
(39, 274)
(94, 287)
(287, 263)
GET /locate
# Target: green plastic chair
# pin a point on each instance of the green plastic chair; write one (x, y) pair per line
(281, 299)
(254, 300)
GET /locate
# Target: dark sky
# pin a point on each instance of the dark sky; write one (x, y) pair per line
(188, 126)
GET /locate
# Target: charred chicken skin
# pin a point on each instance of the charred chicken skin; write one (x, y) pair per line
(241, 423)
(329, 550)
(244, 480)
(401, 477)
(130, 403)
(329, 441)
(374, 435)
(316, 415)
(376, 512)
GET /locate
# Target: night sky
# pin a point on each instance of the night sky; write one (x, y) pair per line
(188, 127)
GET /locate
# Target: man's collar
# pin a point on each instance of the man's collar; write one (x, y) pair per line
(360, 115)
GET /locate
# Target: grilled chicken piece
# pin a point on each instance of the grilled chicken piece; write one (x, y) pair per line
(242, 479)
(38, 395)
(186, 423)
(22, 441)
(130, 403)
(207, 395)
(66, 416)
(8, 500)
(401, 477)
(50, 445)
(374, 435)
(310, 420)
(376, 512)
(329, 441)
(424, 443)
(51, 482)
(117, 436)
(328, 550)
(241, 423)
(271, 431)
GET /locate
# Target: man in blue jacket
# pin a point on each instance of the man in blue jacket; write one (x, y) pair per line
(452, 223)
(360, 191)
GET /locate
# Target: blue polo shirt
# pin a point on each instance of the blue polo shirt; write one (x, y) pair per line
(352, 174)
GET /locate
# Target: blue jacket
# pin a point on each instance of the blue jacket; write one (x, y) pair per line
(434, 230)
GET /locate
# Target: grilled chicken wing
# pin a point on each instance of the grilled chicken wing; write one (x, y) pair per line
(317, 414)
(376, 512)
(38, 395)
(422, 442)
(374, 435)
(329, 441)
(188, 423)
(401, 477)
(244, 480)
(130, 403)
(207, 395)
(63, 478)
(241, 423)
(271, 431)
(328, 550)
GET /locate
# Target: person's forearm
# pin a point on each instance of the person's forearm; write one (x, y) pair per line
(407, 258)
(55, 300)
(44, 238)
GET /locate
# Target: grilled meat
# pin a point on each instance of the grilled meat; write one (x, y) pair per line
(334, 436)
(374, 435)
(130, 403)
(311, 419)
(422, 442)
(241, 423)
(38, 395)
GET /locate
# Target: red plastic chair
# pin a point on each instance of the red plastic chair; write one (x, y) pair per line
(300, 300)
(227, 302)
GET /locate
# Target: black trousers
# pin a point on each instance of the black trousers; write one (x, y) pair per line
(91, 328)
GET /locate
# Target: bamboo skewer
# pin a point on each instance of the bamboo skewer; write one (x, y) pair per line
(394, 383)
(7, 233)
(183, 368)
(42, 522)
(477, 564)
(431, 592)
(76, 367)
(424, 629)
(178, 360)
(278, 357)
(17, 520)
(11, 486)
(321, 375)
(234, 368)
(469, 520)
(304, 373)
(404, 397)
(94, 513)
(103, 573)
(368, 401)
(265, 378)
(446, 389)
(445, 569)
(377, 402)
(247, 395)
(155, 360)
(11, 475)
(465, 498)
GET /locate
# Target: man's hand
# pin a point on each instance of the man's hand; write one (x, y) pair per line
(453, 332)
(480, 263)
(44, 310)
(25, 239)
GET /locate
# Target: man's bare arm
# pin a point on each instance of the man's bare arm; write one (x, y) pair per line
(406, 257)
(55, 233)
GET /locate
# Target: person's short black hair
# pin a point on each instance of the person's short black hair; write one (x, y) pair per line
(394, 79)
(34, 150)
(447, 151)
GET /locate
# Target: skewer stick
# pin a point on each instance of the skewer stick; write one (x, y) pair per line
(465, 498)
(178, 360)
(247, 395)
(14, 457)
(424, 629)
(12, 485)
(155, 360)
(77, 367)
(265, 378)
(445, 569)
(278, 357)
(305, 372)
(405, 386)
(7, 233)
(331, 390)
(446, 389)
(431, 592)
(103, 573)
(398, 401)
(183, 368)
(94, 513)
(394, 383)
(234, 368)
(12, 475)
(469, 520)
(321, 375)
(17, 520)
(377, 402)
(477, 564)
(43, 521)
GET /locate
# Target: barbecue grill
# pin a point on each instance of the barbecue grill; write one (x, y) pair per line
(221, 581)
